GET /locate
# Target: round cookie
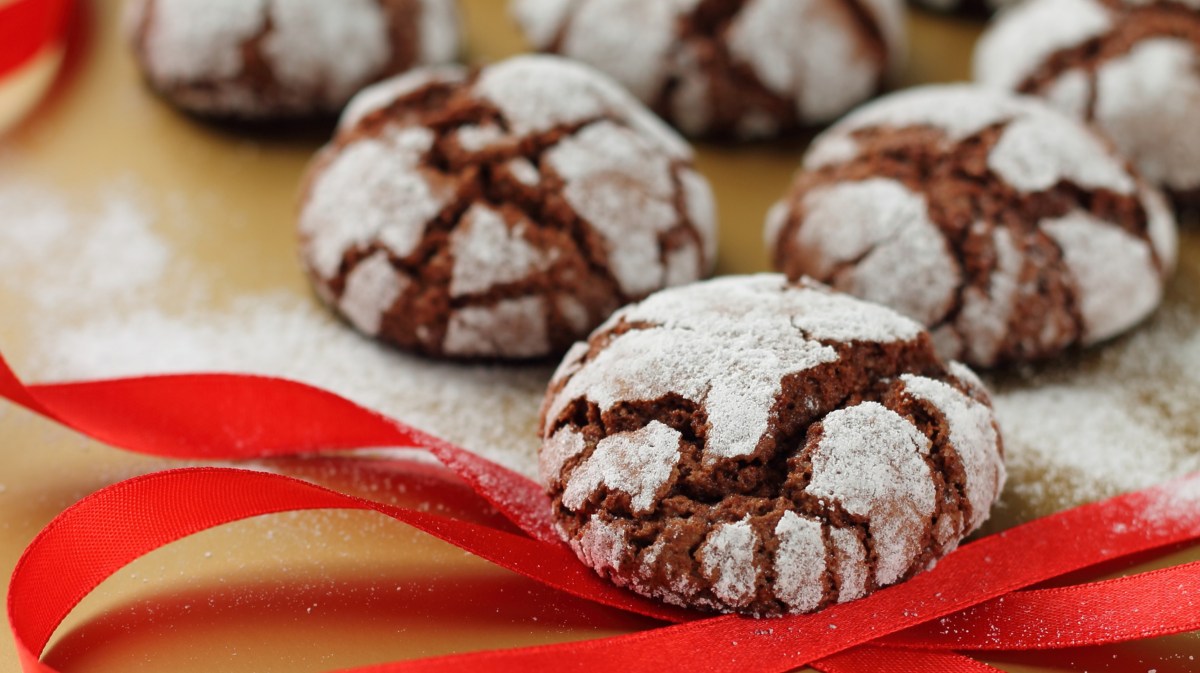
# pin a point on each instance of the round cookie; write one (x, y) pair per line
(744, 68)
(1011, 231)
(262, 59)
(1131, 67)
(753, 445)
(501, 213)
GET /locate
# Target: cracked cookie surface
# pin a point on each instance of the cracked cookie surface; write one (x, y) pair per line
(1009, 230)
(743, 68)
(1130, 67)
(262, 59)
(754, 445)
(503, 213)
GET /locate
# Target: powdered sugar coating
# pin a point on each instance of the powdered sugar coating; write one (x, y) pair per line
(799, 562)
(975, 440)
(1146, 102)
(814, 57)
(371, 190)
(488, 252)
(728, 562)
(755, 326)
(510, 328)
(263, 58)
(555, 199)
(1111, 302)
(371, 289)
(888, 481)
(1116, 64)
(885, 228)
(881, 231)
(661, 424)
(625, 187)
(1006, 57)
(637, 463)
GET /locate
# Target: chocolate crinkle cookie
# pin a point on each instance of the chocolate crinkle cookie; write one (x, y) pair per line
(501, 213)
(263, 59)
(742, 68)
(1008, 229)
(1131, 67)
(758, 446)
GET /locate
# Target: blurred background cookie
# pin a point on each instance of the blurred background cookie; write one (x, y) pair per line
(258, 59)
(1010, 230)
(1131, 68)
(748, 69)
(502, 213)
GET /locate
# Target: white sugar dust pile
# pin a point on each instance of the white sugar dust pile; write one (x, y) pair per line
(103, 290)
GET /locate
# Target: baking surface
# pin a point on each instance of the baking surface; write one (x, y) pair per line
(136, 239)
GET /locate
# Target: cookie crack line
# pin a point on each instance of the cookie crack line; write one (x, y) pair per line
(1131, 25)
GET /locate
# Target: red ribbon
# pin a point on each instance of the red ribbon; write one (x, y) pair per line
(26, 26)
(975, 599)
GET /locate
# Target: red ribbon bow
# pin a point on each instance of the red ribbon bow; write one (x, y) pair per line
(975, 599)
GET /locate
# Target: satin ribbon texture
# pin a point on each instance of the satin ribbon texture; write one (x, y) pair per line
(976, 599)
(26, 27)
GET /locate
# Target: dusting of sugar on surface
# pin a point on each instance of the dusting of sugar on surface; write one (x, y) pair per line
(799, 562)
(1092, 248)
(508, 328)
(1146, 101)
(886, 481)
(851, 559)
(334, 48)
(373, 189)
(638, 463)
(1022, 38)
(753, 326)
(184, 44)
(623, 186)
(885, 229)
(487, 252)
(728, 561)
(974, 440)
(371, 289)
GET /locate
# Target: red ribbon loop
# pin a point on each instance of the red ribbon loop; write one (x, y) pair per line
(911, 626)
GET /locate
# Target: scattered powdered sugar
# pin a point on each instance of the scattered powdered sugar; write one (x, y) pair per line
(758, 326)
(638, 463)
(601, 545)
(106, 250)
(1020, 40)
(984, 316)
(885, 480)
(728, 561)
(799, 562)
(491, 410)
(1178, 501)
(1122, 420)
(1092, 248)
